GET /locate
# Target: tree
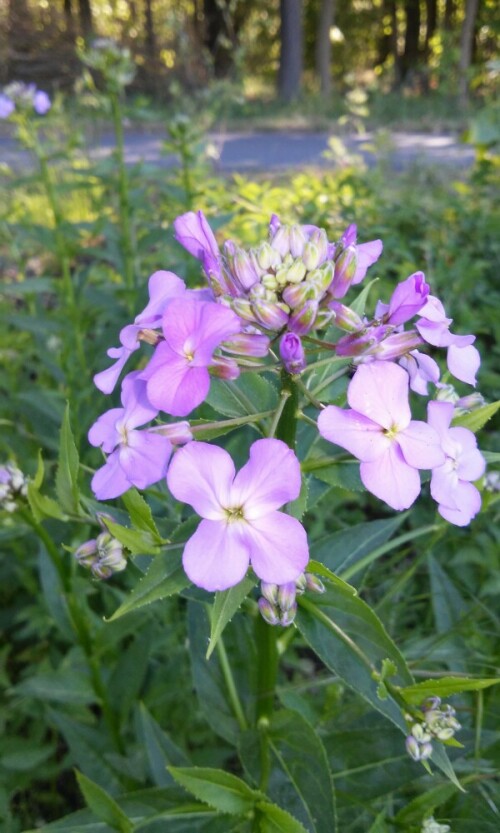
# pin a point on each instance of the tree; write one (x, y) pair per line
(86, 18)
(466, 39)
(324, 46)
(411, 53)
(291, 54)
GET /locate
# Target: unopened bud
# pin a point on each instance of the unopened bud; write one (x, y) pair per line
(100, 571)
(297, 241)
(286, 595)
(470, 402)
(314, 583)
(292, 353)
(420, 733)
(425, 751)
(296, 272)
(224, 368)
(178, 432)
(248, 344)
(269, 315)
(345, 317)
(287, 616)
(86, 553)
(319, 239)
(281, 241)
(269, 591)
(301, 584)
(267, 257)
(269, 281)
(268, 612)
(322, 277)
(413, 748)
(302, 320)
(244, 309)
(323, 319)
(396, 346)
(296, 295)
(345, 269)
(243, 269)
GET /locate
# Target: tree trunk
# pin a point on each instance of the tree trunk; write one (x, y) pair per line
(431, 25)
(219, 36)
(449, 15)
(467, 34)
(412, 38)
(324, 46)
(150, 31)
(397, 58)
(86, 18)
(290, 70)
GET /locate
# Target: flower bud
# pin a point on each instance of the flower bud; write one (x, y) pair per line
(425, 751)
(281, 241)
(310, 256)
(319, 239)
(345, 317)
(296, 295)
(268, 612)
(269, 281)
(178, 432)
(100, 571)
(302, 320)
(243, 269)
(314, 583)
(300, 584)
(413, 748)
(248, 344)
(419, 732)
(296, 272)
(86, 553)
(269, 315)
(431, 703)
(395, 346)
(470, 402)
(323, 319)
(244, 309)
(322, 277)
(288, 616)
(345, 269)
(269, 591)
(362, 343)
(224, 368)
(292, 353)
(297, 241)
(267, 257)
(286, 596)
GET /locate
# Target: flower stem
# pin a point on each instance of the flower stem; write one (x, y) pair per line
(230, 685)
(124, 197)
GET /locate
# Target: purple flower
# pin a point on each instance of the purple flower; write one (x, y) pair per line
(41, 102)
(177, 375)
(451, 483)
(162, 287)
(7, 106)
(463, 359)
(241, 524)
(292, 353)
(194, 233)
(136, 458)
(421, 369)
(367, 253)
(407, 299)
(379, 431)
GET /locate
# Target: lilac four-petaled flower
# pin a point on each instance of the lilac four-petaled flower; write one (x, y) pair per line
(380, 432)
(136, 458)
(241, 524)
(451, 483)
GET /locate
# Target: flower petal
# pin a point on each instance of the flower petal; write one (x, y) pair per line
(468, 501)
(420, 445)
(463, 363)
(202, 475)
(145, 458)
(352, 431)
(110, 480)
(104, 433)
(173, 385)
(367, 253)
(216, 557)
(269, 479)
(162, 287)
(197, 328)
(278, 547)
(391, 479)
(379, 391)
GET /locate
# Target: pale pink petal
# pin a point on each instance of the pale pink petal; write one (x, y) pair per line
(202, 475)
(106, 380)
(269, 479)
(173, 385)
(463, 363)
(391, 479)
(110, 480)
(278, 547)
(379, 391)
(439, 415)
(468, 505)
(368, 253)
(444, 483)
(217, 556)
(138, 409)
(420, 445)
(104, 433)
(356, 433)
(471, 465)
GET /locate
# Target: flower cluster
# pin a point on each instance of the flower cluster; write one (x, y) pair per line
(103, 556)
(278, 605)
(13, 485)
(112, 60)
(288, 289)
(438, 722)
(430, 825)
(23, 97)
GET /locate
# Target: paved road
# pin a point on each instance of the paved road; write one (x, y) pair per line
(247, 152)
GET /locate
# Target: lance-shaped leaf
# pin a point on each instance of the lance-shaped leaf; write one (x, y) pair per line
(445, 687)
(102, 805)
(225, 792)
(226, 603)
(165, 577)
(67, 468)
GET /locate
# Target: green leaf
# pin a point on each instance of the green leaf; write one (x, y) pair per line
(160, 750)
(379, 825)
(425, 803)
(225, 606)
(343, 475)
(67, 468)
(221, 790)
(445, 687)
(351, 640)
(276, 820)
(301, 755)
(41, 506)
(138, 541)
(140, 513)
(359, 303)
(165, 577)
(351, 546)
(475, 420)
(104, 807)
(249, 394)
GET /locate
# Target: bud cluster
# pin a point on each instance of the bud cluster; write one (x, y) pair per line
(13, 485)
(113, 61)
(103, 556)
(278, 604)
(439, 722)
(288, 281)
(23, 97)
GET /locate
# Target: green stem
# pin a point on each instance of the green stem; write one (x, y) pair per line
(231, 686)
(309, 395)
(285, 394)
(230, 423)
(329, 379)
(286, 428)
(123, 197)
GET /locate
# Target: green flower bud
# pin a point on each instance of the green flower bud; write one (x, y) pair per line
(310, 256)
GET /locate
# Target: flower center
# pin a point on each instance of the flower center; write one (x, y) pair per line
(233, 514)
(392, 432)
(123, 433)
